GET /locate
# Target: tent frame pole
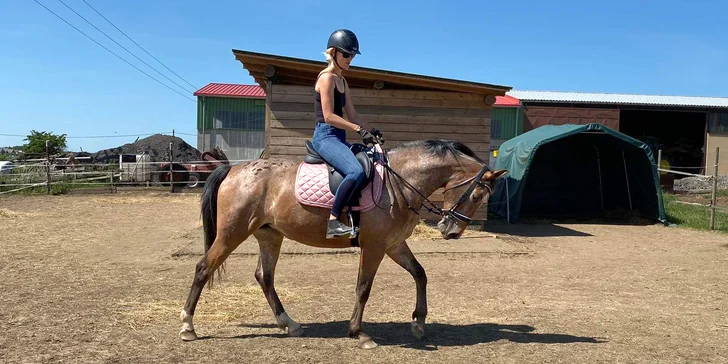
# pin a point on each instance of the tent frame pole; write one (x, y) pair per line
(599, 168)
(626, 177)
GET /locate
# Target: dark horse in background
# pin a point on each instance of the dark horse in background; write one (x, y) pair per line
(257, 198)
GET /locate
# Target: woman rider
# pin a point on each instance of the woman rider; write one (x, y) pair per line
(329, 139)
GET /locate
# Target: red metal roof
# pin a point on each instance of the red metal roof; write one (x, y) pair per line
(507, 101)
(231, 90)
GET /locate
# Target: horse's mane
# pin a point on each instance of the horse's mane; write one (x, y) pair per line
(442, 147)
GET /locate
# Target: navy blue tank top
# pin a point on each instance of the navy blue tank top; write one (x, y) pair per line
(339, 102)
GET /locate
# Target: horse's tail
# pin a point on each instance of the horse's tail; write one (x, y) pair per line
(209, 206)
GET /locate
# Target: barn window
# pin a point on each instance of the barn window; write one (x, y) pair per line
(241, 120)
(496, 128)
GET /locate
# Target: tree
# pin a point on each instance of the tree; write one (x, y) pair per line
(37, 143)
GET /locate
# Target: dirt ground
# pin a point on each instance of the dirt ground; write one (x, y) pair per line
(102, 278)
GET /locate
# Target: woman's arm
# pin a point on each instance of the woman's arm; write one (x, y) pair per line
(326, 86)
(351, 111)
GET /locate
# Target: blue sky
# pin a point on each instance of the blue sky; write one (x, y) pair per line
(55, 79)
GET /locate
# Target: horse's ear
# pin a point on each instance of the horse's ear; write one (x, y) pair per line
(493, 175)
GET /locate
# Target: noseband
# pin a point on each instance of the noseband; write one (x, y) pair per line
(476, 181)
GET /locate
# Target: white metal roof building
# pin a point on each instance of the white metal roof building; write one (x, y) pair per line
(687, 128)
(619, 99)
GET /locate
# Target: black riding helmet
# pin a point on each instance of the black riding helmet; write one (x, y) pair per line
(344, 40)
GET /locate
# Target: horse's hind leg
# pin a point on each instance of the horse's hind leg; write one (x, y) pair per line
(221, 248)
(270, 242)
(402, 255)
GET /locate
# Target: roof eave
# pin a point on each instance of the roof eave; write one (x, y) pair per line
(303, 71)
(230, 96)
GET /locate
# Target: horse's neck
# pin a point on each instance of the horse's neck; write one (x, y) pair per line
(426, 174)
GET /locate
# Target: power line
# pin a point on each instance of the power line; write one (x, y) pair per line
(110, 51)
(122, 47)
(137, 44)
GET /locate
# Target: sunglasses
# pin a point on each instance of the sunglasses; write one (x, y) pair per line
(346, 55)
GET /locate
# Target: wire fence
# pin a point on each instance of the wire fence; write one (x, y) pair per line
(713, 205)
(54, 174)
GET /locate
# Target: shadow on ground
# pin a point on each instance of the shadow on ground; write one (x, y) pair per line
(532, 229)
(436, 334)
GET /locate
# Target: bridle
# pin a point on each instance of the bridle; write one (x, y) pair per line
(451, 212)
(477, 181)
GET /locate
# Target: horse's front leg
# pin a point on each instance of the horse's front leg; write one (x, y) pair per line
(402, 255)
(369, 260)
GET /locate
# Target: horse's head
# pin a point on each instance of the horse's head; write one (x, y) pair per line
(466, 178)
(462, 198)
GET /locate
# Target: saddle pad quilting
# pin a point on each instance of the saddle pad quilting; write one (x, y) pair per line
(312, 187)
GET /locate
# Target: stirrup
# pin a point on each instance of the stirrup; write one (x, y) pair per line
(354, 228)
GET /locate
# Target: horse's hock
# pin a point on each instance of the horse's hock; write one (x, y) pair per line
(405, 107)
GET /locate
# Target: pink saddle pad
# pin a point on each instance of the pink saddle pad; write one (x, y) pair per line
(312, 187)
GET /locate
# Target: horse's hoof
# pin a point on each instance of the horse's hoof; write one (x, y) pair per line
(187, 335)
(295, 332)
(366, 342)
(417, 330)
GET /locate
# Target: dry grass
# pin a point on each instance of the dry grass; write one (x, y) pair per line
(5, 213)
(10, 214)
(424, 231)
(224, 304)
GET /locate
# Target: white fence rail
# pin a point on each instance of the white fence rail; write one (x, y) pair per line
(714, 189)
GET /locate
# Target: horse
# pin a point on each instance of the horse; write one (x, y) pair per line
(257, 198)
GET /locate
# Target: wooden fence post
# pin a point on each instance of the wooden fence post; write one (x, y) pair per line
(48, 169)
(659, 160)
(171, 173)
(715, 187)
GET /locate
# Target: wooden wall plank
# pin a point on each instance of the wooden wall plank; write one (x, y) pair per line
(398, 119)
(391, 127)
(402, 115)
(389, 101)
(391, 110)
(367, 92)
(401, 136)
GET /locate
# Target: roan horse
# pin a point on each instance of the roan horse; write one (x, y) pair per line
(257, 198)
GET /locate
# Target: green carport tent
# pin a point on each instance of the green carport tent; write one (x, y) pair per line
(576, 171)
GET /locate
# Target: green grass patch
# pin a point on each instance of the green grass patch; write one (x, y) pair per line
(692, 216)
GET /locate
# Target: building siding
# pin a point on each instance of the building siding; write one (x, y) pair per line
(506, 123)
(235, 125)
(402, 115)
(536, 116)
(209, 108)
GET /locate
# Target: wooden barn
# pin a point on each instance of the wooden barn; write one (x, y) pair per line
(404, 106)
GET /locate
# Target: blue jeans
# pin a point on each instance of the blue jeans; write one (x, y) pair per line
(330, 142)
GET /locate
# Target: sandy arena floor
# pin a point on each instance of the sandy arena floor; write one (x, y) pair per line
(102, 278)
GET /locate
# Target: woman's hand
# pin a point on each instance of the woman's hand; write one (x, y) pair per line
(366, 136)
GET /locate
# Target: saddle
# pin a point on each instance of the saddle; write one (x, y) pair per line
(335, 178)
(317, 181)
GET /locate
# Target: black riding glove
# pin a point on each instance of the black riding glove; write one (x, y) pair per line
(366, 136)
(377, 133)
